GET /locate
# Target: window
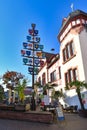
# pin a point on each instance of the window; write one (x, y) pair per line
(66, 78)
(43, 79)
(39, 80)
(71, 75)
(53, 76)
(73, 23)
(68, 51)
(70, 72)
(64, 55)
(78, 21)
(71, 49)
(59, 72)
(75, 74)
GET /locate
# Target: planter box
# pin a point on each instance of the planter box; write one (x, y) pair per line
(7, 107)
(21, 107)
(44, 117)
(83, 113)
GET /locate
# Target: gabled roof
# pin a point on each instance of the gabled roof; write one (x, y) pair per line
(53, 60)
(71, 16)
(49, 59)
(49, 55)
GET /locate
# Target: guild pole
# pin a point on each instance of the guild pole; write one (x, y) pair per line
(32, 57)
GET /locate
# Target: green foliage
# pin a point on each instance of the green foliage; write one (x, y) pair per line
(78, 85)
(1, 93)
(56, 94)
(20, 89)
(47, 87)
(38, 84)
(53, 92)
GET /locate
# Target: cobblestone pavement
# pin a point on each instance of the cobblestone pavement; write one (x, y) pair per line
(22, 125)
(72, 122)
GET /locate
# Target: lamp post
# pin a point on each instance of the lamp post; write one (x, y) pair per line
(32, 56)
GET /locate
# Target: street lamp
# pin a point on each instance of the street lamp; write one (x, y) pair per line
(32, 56)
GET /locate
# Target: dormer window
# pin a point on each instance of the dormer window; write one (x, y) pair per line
(78, 21)
(73, 23)
(83, 21)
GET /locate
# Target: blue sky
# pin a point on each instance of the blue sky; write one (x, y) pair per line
(16, 17)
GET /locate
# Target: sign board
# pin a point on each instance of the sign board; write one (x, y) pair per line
(39, 54)
(30, 46)
(60, 115)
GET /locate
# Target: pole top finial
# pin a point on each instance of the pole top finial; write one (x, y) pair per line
(33, 25)
(72, 7)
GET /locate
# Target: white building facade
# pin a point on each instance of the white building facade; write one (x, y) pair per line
(71, 63)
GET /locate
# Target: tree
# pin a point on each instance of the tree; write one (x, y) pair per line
(11, 79)
(79, 85)
(20, 89)
(1, 92)
(46, 88)
(38, 85)
(57, 94)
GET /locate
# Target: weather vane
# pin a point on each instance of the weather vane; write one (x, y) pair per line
(72, 7)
